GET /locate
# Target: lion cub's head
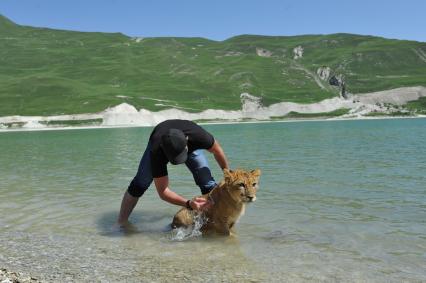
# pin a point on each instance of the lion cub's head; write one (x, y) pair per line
(242, 185)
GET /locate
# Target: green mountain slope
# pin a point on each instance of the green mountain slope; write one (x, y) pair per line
(46, 72)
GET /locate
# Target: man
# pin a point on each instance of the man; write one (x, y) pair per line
(177, 142)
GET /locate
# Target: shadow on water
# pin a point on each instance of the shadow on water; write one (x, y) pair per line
(145, 221)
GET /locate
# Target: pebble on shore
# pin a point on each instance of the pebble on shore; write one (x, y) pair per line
(15, 277)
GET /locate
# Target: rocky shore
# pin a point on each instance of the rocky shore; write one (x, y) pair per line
(15, 277)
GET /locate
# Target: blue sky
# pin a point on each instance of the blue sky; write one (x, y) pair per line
(221, 19)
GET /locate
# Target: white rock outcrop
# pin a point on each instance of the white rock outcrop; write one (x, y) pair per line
(298, 52)
(397, 96)
(137, 39)
(251, 107)
(120, 115)
(33, 125)
(263, 52)
(324, 73)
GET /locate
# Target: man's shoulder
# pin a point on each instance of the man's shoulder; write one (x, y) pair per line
(174, 123)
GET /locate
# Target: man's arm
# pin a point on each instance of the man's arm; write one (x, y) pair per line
(219, 155)
(162, 185)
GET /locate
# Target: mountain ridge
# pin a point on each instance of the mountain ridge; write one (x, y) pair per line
(4, 19)
(46, 71)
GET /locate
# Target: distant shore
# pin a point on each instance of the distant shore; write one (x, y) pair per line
(293, 120)
(387, 104)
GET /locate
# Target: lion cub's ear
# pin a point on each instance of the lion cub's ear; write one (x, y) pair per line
(227, 174)
(256, 173)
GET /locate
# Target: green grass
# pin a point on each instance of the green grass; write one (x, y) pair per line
(54, 123)
(47, 72)
(419, 103)
(393, 114)
(89, 122)
(297, 115)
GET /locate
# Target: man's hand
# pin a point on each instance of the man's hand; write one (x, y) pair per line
(200, 204)
(162, 185)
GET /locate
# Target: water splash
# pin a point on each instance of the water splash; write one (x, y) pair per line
(194, 231)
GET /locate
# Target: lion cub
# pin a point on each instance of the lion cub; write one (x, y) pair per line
(229, 198)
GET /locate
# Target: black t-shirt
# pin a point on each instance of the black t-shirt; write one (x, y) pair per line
(198, 138)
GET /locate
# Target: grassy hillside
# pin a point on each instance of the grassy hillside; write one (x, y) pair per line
(47, 72)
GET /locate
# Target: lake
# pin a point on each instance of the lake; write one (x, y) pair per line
(338, 201)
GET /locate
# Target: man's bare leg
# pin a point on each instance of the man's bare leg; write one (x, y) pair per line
(127, 205)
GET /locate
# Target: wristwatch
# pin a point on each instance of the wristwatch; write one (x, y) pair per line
(188, 204)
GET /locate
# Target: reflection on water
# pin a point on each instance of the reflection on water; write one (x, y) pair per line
(338, 201)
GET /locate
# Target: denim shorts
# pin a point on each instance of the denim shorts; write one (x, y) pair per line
(196, 163)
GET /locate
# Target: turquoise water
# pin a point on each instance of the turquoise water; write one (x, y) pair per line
(338, 201)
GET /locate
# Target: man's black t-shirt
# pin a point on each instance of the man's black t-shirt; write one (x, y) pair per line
(198, 138)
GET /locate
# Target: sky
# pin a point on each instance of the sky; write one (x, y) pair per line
(222, 19)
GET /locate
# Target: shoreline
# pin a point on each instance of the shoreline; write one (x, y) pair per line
(291, 120)
(388, 104)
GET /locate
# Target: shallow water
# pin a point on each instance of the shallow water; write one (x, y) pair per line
(338, 201)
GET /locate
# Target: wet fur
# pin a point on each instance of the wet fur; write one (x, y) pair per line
(230, 197)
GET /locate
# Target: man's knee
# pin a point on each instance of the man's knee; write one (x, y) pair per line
(204, 179)
(205, 189)
(137, 190)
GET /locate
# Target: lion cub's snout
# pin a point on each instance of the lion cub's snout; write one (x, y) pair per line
(251, 198)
